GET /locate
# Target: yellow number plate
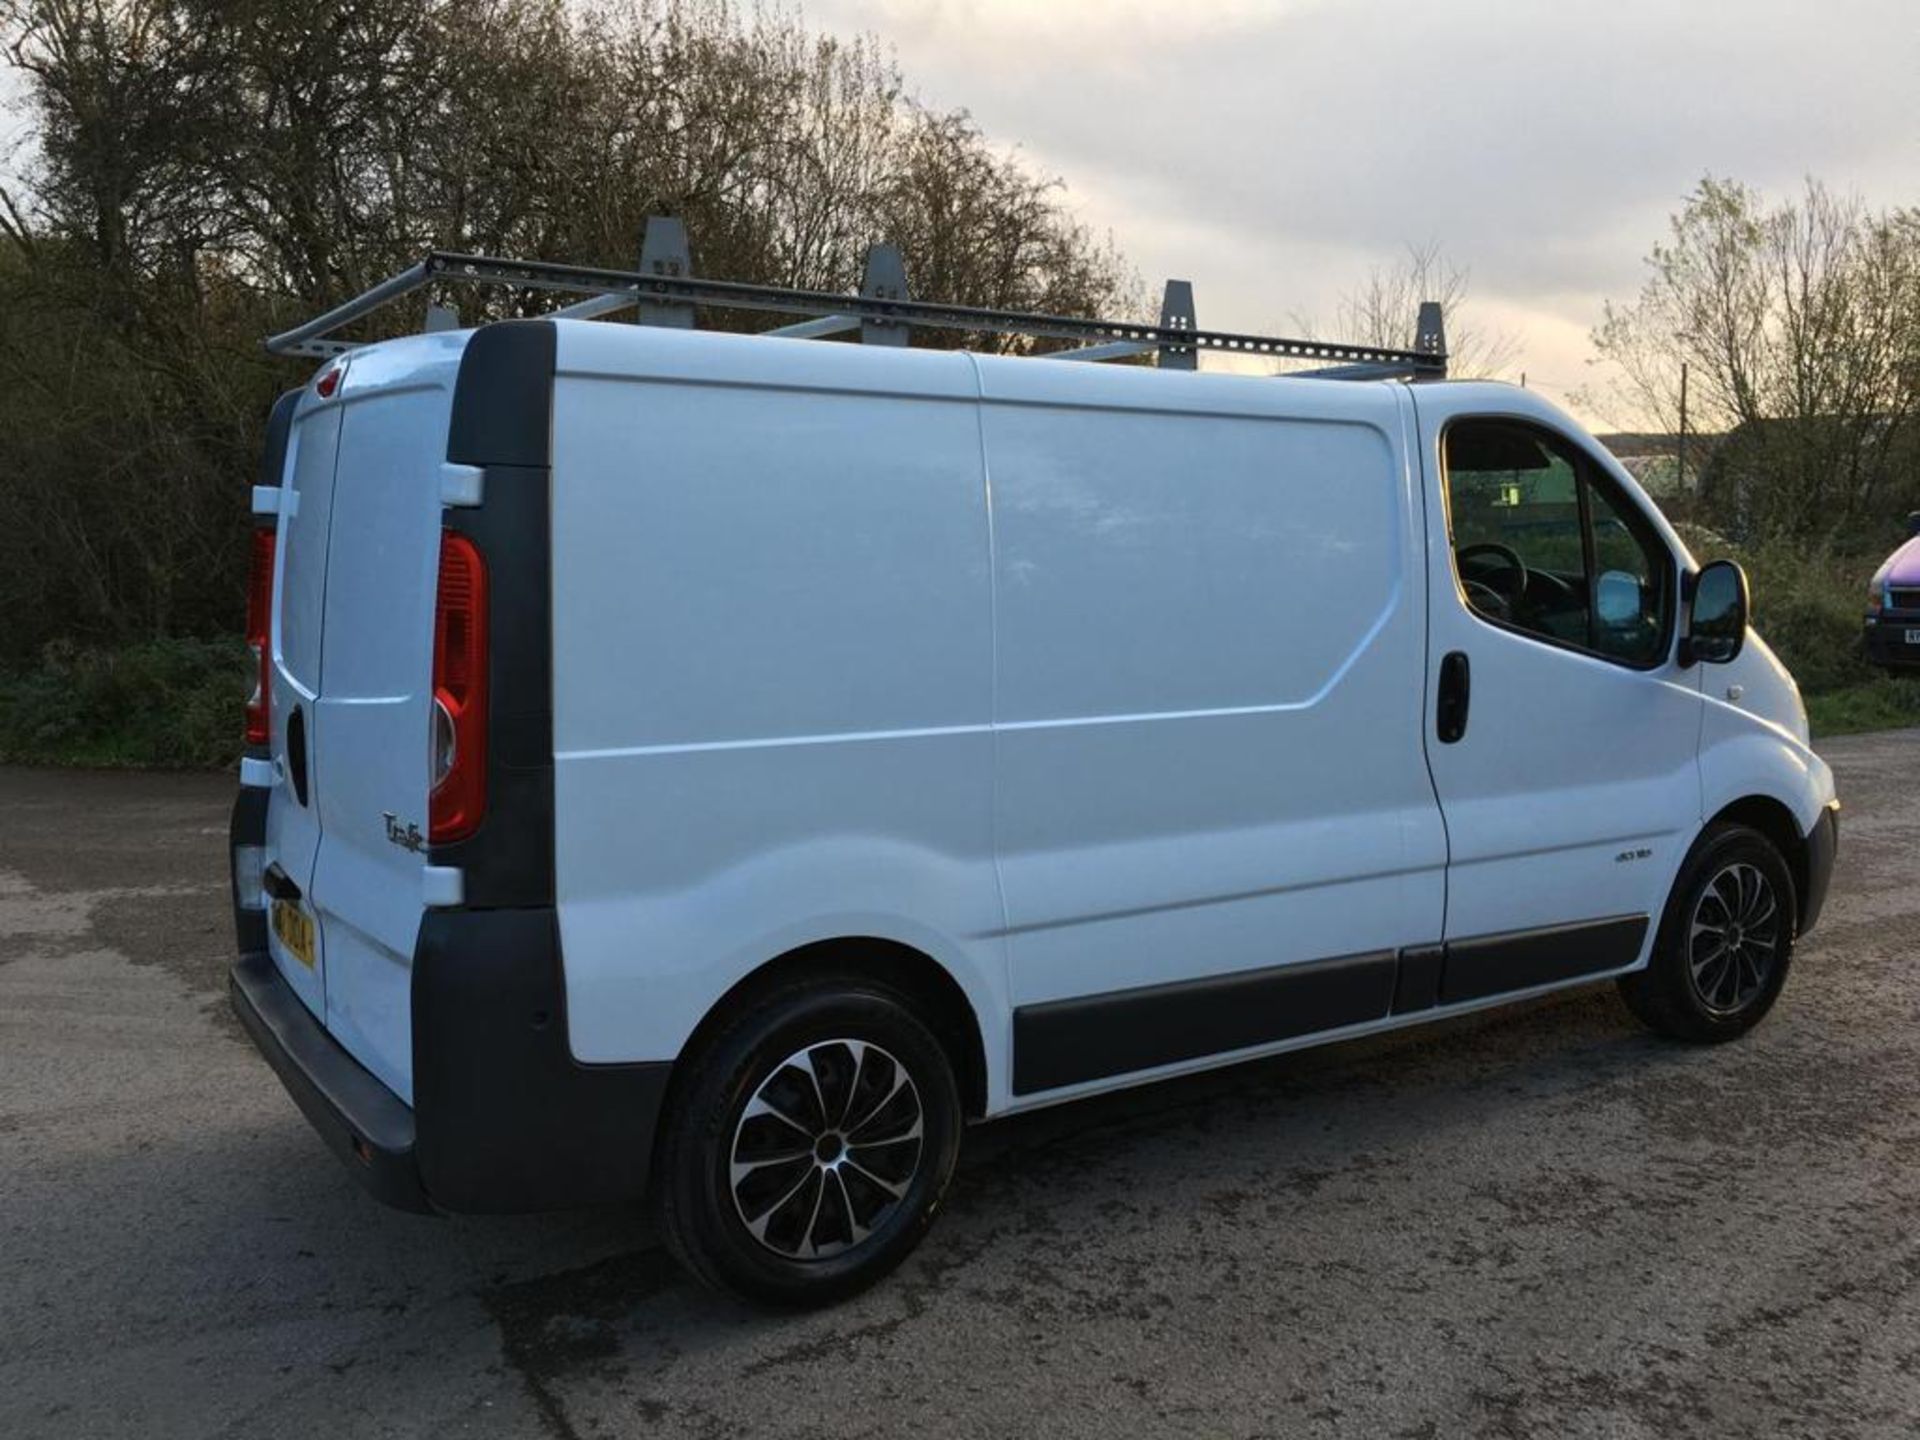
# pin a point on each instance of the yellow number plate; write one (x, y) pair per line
(295, 929)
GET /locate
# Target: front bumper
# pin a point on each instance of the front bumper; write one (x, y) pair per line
(1823, 847)
(1886, 638)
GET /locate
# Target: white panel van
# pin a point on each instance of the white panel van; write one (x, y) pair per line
(713, 769)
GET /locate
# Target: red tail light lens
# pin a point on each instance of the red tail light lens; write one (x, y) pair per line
(459, 744)
(259, 635)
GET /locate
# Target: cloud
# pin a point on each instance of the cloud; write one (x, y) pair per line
(1274, 152)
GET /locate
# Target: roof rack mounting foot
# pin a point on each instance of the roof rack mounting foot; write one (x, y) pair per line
(440, 317)
(1430, 330)
(664, 252)
(885, 279)
(1176, 313)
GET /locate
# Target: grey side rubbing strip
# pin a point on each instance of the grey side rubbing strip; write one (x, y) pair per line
(1065, 1042)
(1522, 959)
(1119, 1032)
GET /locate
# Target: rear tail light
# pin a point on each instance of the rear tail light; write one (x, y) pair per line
(459, 741)
(259, 637)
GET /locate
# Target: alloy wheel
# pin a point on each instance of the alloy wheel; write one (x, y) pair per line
(1734, 938)
(826, 1149)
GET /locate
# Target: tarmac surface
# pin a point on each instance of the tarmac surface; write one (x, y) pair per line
(1536, 1222)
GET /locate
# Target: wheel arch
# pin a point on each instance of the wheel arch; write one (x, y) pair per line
(927, 985)
(1773, 819)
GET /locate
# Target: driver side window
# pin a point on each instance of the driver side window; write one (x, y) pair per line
(1541, 546)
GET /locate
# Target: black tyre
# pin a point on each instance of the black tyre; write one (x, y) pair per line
(809, 1144)
(1725, 941)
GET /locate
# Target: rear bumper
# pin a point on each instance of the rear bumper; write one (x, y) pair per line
(364, 1123)
(504, 1118)
(1823, 848)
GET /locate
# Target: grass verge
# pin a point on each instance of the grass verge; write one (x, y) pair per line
(159, 703)
(1884, 704)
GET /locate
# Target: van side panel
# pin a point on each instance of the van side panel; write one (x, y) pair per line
(1211, 638)
(772, 670)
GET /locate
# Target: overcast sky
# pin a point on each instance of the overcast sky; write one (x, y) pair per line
(1271, 151)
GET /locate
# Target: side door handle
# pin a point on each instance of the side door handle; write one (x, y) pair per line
(1456, 691)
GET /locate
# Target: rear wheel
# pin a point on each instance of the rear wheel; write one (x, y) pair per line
(1725, 942)
(810, 1144)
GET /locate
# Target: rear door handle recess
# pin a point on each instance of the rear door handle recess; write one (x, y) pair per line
(278, 884)
(1456, 690)
(297, 754)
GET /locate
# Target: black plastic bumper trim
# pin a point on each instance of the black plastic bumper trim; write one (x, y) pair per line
(1418, 984)
(1522, 959)
(364, 1123)
(1065, 1042)
(509, 1120)
(1823, 848)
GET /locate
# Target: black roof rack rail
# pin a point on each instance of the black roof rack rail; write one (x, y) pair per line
(666, 292)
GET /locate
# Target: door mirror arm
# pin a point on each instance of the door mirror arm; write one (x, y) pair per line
(1683, 655)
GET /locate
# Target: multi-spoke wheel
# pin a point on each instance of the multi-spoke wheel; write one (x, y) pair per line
(1733, 938)
(826, 1148)
(1725, 941)
(809, 1144)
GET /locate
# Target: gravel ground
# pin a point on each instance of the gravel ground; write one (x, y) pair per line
(1541, 1221)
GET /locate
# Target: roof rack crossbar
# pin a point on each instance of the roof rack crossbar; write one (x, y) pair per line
(1112, 350)
(308, 339)
(1367, 370)
(609, 290)
(817, 329)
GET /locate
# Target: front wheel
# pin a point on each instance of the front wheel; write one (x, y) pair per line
(810, 1145)
(1725, 941)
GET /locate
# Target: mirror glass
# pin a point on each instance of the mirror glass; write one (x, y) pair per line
(1617, 598)
(1719, 615)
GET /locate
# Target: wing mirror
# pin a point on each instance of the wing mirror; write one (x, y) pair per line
(1716, 615)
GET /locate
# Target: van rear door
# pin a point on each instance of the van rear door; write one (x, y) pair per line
(372, 726)
(293, 821)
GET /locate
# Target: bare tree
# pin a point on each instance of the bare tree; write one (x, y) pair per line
(1382, 309)
(201, 171)
(1799, 327)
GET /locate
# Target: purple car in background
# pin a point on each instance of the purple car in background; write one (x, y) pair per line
(1893, 605)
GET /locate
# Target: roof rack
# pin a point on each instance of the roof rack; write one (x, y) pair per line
(666, 292)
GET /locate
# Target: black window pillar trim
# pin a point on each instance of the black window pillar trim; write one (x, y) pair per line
(502, 423)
